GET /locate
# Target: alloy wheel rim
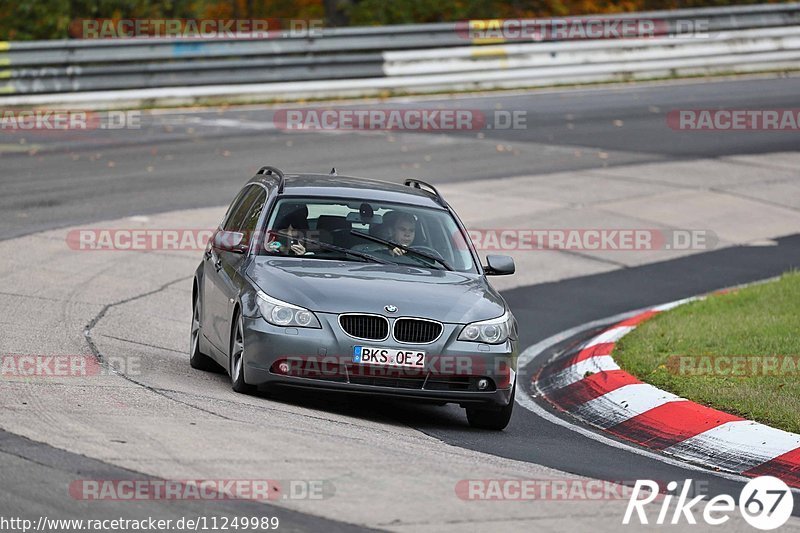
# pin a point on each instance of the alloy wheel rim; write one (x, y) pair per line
(238, 351)
(195, 337)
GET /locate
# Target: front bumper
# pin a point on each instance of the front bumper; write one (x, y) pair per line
(322, 359)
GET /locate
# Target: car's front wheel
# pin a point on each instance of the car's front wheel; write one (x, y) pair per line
(237, 359)
(197, 359)
(491, 418)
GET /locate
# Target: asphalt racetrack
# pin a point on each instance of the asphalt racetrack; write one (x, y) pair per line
(586, 158)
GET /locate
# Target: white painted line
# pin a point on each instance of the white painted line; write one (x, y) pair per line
(578, 371)
(673, 305)
(622, 404)
(188, 121)
(737, 446)
(609, 335)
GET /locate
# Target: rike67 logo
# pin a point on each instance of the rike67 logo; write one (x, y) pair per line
(766, 503)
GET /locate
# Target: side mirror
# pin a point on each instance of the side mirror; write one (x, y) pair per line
(499, 265)
(230, 241)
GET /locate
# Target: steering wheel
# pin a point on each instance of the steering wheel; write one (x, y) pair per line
(419, 259)
(427, 250)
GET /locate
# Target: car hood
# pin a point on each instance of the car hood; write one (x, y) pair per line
(347, 286)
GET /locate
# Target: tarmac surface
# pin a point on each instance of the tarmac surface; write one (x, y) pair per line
(600, 158)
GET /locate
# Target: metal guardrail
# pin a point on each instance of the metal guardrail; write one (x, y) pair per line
(569, 54)
(429, 56)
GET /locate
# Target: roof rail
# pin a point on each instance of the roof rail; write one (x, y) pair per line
(274, 171)
(419, 184)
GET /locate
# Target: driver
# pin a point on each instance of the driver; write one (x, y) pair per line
(401, 228)
(293, 224)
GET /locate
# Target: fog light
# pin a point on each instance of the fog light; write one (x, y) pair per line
(483, 384)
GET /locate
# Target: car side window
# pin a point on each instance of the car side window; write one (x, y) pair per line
(251, 220)
(239, 212)
(233, 207)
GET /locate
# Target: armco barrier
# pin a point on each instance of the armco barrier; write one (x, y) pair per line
(411, 58)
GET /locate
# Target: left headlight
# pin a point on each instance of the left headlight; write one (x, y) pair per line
(492, 331)
(281, 313)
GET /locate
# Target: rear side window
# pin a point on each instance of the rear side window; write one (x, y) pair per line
(251, 220)
(234, 206)
(238, 213)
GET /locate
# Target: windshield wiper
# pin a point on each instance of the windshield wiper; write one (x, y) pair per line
(391, 244)
(333, 247)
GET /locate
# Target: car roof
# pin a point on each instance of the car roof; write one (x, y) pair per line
(337, 186)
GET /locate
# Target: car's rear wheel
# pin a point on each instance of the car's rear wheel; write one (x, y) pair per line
(197, 359)
(237, 358)
(491, 418)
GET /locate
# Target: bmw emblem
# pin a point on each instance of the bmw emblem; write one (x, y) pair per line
(391, 308)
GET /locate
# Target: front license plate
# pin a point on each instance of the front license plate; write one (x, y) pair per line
(373, 355)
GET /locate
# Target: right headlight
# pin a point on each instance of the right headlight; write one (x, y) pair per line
(281, 313)
(492, 331)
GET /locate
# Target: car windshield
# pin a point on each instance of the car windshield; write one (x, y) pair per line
(360, 230)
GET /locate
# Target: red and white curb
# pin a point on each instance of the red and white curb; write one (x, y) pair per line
(590, 386)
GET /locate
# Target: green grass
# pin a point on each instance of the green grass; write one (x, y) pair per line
(759, 321)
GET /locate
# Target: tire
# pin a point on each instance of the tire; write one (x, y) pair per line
(197, 359)
(491, 418)
(237, 359)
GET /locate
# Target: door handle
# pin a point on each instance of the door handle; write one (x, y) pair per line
(218, 264)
